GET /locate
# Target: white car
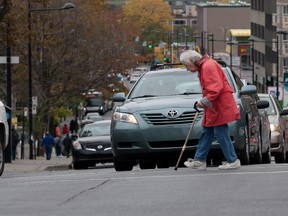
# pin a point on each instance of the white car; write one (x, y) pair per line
(279, 131)
(4, 131)
(134, 77)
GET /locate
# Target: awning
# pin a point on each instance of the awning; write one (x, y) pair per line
(239, 32)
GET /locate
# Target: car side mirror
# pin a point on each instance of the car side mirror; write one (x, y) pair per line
(262, 104)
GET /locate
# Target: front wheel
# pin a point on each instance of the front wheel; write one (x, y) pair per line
(280, 157)
(266, 157)
(2, 157)
(245, 152)
(79, 165)
(147, 164)
(258, 155)
(123, 165)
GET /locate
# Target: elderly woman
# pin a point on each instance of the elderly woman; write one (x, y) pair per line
(219, 110)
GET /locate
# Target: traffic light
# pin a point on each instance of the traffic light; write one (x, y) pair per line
(165, 58)
(150, 45)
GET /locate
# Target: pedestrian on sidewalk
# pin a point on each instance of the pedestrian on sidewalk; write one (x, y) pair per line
(65, 129)
(48, 143)
(67, 142)
(57, 142)
(72, 126)
(219, 109)
(15, 141)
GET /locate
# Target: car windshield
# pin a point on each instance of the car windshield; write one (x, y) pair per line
(90, 130)
(167, 83)
(94, 101)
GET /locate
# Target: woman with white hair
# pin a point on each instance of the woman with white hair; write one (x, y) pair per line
(219, 110)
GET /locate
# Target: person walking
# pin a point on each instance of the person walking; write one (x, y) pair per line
(72, 126)
(67, 142)
(219, 109)
(15, 141)
(48, 143)
(57, 142)
(65, 129)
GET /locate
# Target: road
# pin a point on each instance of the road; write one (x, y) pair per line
(256, 190)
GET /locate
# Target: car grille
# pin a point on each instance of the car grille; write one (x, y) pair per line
(160, 119)
(172, 144)
(99, 146)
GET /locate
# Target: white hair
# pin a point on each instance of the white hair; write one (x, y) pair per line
(190, 57)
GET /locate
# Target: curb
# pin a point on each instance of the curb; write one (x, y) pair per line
(58, 168)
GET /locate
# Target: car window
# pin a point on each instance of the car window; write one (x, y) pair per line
(271, 109)
(278, 105)
(239, 84)
(164, 84)
(95, 130)
(94, 101)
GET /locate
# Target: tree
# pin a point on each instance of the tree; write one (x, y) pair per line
(148, 14)
(149, 19)
(72, 51)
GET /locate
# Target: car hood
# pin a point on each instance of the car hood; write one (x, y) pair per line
(273, 119)
(152, 103)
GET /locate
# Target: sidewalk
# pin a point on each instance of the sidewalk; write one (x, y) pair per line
(40, 164)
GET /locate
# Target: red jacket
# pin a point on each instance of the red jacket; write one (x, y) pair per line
(216, 90)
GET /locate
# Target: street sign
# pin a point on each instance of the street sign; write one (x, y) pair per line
(34, 110)
(13, 59)
(34, 101)
(273, 89)
(25, 111)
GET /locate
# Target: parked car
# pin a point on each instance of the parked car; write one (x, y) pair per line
(95, 104)
(90, 118)
(134, 77)
(93, 145)
(141, 69)
(151, 125)
(4, 136)
(279, 128)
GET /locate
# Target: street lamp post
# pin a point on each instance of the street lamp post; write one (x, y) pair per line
(231, 53)
(252, 59)
(30, 10)
(212, 40)
(277, 66)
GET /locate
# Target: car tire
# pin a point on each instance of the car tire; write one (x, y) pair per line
(78, 166)
(145, 164)
(123, 165)
(258, 155)
(280, 157)
(162, 164)
(2, 157)
(245, 152)
(266, 157)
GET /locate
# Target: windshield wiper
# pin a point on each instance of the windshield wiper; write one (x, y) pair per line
(188, 93)
(144, 96)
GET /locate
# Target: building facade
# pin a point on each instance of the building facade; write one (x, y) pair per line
(269, 31)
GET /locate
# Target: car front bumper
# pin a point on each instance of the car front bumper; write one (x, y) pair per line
(134, 141)
(92, 156)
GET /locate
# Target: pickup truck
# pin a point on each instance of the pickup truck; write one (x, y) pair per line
(4, 136)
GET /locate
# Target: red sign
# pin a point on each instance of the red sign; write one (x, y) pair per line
(243, 49)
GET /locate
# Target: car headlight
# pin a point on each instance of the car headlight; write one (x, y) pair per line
(274, 127)
(77, 145)
(124, 117)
